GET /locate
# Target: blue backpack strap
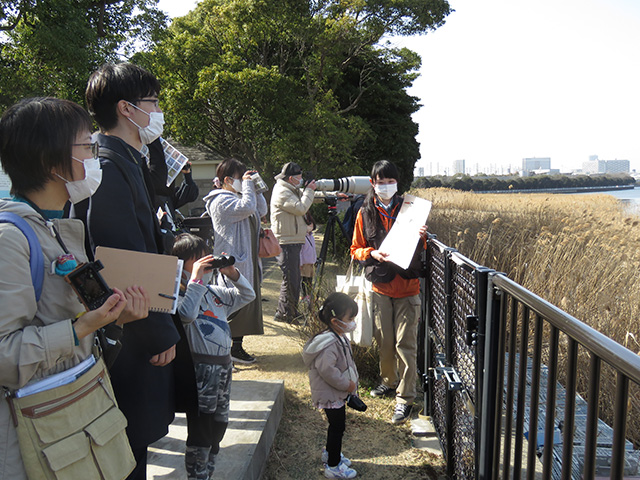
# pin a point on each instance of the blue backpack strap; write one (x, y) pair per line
(36, 258)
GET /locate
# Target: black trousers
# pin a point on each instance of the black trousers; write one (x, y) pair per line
(337, 418)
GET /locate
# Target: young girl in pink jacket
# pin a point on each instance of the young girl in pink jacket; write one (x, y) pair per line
(333, 377)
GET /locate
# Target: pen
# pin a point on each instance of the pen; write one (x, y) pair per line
(164, 295)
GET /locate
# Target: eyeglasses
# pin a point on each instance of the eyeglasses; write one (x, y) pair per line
(155, 101)
(95, 148)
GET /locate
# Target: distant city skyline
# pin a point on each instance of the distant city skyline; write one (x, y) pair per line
(502, 81)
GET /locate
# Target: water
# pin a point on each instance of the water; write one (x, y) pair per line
(626, 196)
(630, 198)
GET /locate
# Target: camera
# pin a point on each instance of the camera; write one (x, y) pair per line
(221, 261)
(91, 288)
(356, 185)
(355, 402)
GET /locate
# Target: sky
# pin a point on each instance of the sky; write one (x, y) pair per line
(507, 79)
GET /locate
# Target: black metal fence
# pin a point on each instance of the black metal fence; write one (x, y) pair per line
(501, 368)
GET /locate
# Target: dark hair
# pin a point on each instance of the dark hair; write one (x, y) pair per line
(228, 168)
(37, 135)
(335, 306)
(188, 246)
(380, 169)
(114, 82)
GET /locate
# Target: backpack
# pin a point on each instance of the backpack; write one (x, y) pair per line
(36, 258)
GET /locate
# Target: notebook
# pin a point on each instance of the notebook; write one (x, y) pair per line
(158, 274)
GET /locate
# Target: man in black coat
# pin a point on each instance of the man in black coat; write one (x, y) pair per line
(123, 100)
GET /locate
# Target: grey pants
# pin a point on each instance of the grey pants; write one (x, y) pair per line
(289, 263)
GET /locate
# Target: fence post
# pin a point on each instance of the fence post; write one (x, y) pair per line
(448, 348)
(489, 417)
(426, 308)
(482, 280)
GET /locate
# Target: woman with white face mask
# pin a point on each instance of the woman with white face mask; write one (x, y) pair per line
(396, 300)
(235, 210)
(46, 149)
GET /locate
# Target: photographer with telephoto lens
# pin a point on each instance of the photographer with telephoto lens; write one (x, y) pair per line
(290, 200)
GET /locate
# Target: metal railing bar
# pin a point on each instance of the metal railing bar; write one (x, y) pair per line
(550, 415)
(449, 344)
(592, 418)
(619, 427)
(502, 346)
(522, 396)
(569, 410)
(534, 399)
(513, 320)
(604, 347)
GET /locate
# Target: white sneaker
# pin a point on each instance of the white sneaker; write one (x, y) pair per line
(341, 471)
(343, 459)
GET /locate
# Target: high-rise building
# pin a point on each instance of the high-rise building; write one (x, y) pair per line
(618, 166)
(535, 163)
(458, 167)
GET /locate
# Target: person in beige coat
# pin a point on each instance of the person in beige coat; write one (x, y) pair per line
(333, 376)
(43, 146)
(289, 202)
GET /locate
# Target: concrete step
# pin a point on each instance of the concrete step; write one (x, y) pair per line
(255, 413)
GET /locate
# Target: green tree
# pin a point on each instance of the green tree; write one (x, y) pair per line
(275, 81)
(50, 47)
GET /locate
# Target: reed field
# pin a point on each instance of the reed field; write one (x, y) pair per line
(579, 252)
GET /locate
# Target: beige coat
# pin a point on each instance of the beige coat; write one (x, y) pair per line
(331, 367)
(288, 206)
(36, 340)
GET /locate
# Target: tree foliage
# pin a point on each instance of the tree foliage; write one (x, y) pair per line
(50, 47)
(296, 80)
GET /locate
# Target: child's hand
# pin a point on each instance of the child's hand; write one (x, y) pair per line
(200, 266)
(352, 387)
(231, 272)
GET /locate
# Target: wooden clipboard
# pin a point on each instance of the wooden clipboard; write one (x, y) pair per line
(158, 274)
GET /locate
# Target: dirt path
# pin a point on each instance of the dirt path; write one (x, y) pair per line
(378, 449)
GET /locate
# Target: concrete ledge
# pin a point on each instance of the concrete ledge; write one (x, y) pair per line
(255, 413)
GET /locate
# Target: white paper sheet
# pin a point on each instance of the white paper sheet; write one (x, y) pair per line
(401, 241)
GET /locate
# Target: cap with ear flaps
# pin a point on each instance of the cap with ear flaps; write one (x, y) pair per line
(289, 169)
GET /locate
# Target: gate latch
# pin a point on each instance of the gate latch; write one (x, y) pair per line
(471, 331)
(454, 383)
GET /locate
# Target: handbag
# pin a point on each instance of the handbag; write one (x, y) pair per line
(74, 430)
(359, 288)
(269, 246)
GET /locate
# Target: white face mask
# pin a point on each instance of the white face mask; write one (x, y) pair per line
(81, 189)
(207, 277)
(386, 192)
(348, 326)
(237, 185)
(153, 131)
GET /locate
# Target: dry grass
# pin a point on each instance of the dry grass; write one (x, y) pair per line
(579, 252)
(378, 449)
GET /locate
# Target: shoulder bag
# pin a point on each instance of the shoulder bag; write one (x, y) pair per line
(269, 246)
(73, 431)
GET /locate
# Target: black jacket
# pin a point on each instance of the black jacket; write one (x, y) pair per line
(120, 215)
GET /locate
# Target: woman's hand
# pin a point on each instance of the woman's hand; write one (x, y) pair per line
(248, 173)
(138, 302)
(352, 387)
(423, 232)
(98, 318)
(379, 256)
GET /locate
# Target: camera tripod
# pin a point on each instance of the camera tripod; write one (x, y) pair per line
(329, 236)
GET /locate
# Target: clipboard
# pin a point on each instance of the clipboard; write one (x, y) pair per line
(159, 274)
